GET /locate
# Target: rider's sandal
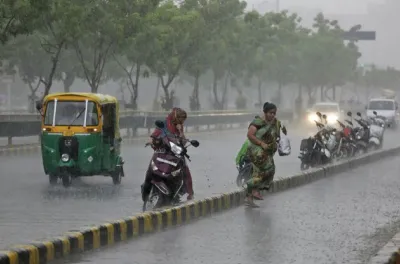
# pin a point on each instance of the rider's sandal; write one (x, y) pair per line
(257, 195)
(250, 203)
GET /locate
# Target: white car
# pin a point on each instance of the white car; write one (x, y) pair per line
(330, 109)
(387, 108)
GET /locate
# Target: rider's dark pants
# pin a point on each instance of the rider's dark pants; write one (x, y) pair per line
(146, 186)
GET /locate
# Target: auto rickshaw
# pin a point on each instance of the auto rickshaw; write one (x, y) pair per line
(80, 136)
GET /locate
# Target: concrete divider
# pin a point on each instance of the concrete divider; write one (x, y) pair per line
(151, 222)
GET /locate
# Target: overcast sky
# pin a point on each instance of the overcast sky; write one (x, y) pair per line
(327, 6)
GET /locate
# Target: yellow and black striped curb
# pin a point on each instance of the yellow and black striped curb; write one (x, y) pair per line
(35, 148)
(145, 223)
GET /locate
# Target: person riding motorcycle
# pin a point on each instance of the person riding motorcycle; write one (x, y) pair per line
(174, 127)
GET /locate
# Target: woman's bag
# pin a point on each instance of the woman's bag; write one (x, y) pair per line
(284, 148)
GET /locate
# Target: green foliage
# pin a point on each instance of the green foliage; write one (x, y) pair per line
(212, 44)
(20, 17)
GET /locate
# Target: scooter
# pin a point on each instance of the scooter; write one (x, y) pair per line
(167, 167)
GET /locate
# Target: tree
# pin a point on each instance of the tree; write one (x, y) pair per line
(173, 30)
(20, 17)
(68, 69)
(222, 45)
(132, 63)
(31, 61)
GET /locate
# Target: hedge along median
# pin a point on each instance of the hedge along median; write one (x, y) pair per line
(151, 222)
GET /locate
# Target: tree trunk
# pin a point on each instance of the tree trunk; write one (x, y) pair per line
(300, 91)
(334, 92)
(217, 103)
(225, 91)
(136, 87)
(49, 82)
(94, 88)
(260, 101)
(194, 99)
(280, 85)
(156, 105)
(322, 93)
(167, 103)
(68, 81)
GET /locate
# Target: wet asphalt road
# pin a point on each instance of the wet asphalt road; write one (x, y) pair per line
(32, 209)
(338, 220)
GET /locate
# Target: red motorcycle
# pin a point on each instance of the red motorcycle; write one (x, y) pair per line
(168, 170)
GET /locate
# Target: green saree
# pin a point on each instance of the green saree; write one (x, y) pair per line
(263, 160)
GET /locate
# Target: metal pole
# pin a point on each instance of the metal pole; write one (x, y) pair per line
(9, 95)
(277, 6)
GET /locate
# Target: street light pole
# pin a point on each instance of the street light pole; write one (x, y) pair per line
(277, 6)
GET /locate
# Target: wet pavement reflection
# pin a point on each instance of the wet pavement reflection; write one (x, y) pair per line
(31, 209)
(341, 219)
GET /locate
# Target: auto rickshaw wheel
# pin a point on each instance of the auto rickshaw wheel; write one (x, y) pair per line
(117, 177)
(53, 179)
(66, 180)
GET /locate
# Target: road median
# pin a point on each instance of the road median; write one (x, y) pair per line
(146, 223)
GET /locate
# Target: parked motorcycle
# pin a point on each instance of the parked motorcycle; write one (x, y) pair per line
(360, 134)
(167, 169)
(377, 130)
(346, 141)
(313, 150)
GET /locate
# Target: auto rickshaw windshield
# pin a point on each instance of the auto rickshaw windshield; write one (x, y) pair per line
(71, 113)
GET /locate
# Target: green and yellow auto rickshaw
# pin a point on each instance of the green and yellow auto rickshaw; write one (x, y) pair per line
(80, 136)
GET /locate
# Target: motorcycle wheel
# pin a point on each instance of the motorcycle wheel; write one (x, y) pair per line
(304, 166)
(360, 151)
(244, 175)
(154, 200)
(345, 153)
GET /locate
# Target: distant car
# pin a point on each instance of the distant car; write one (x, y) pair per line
(387, 108)
(330, 109)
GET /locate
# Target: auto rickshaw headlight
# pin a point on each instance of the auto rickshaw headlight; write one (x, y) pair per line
(65, 157)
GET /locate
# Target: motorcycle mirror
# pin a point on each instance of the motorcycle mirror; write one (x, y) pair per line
(375, 113)
(359, 114)
(159, 124)
(324, 117)
(195, 143)
(319, 114)
(349, 114)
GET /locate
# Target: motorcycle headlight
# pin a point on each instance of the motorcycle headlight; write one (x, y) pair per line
(312, 118)
(65, 157)
(358, 137)
(332, 118)
(175, 148)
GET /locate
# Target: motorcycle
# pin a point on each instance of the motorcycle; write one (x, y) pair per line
(360, 135)
(245, 170)
(346, 141)
(167, 169)
(376, 129)
(313, 151)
